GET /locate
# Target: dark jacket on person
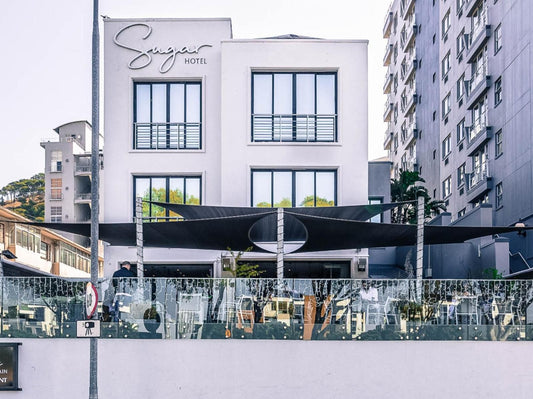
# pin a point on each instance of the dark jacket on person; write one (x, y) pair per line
(120, 273)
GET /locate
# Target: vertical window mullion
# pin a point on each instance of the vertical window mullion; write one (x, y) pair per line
(168, 128)
(314, 188)
(184, 116)
(294, 106)
(151, 126)
(272, 106)
(316, 109)
(185, 190)
(150, 198)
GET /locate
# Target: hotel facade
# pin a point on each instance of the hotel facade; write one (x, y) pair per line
(193, 116)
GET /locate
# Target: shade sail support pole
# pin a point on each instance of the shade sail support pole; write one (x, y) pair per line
(280, 249)
(139, 236)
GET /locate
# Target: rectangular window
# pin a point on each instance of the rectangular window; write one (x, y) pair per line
(445, 26)
(294, 107)
(446, 65)
(56, 189)
(56, 214)
(497, 38)
(447, 187)
(446, 146)
(289, 188)
(56, 161)
(461, 131)
(499, 195)
(446, 106)
(167, 116)
(173, 189)
(499, 143)
(461, 213)
(460, 42)
(377, 218)
(461, 175)
(461, 87)
(497, 91)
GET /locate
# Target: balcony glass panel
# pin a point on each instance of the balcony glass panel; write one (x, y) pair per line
(267, 308)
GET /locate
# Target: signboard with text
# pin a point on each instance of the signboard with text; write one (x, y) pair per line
(9, 366)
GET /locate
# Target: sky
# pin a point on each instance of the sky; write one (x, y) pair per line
(45, 67)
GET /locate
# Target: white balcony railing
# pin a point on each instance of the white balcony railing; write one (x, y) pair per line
(297, 127)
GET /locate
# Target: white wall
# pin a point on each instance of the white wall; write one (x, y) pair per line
(59, 368)
(349, 155)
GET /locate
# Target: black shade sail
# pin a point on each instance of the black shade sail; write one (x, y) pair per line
(319, 234)
(350, 212)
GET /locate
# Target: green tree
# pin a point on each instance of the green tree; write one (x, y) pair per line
(407, 188)
(242, 269)
(310, 201)
(30, 193)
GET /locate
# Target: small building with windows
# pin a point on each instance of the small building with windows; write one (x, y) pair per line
(194, 116)
(27, 250)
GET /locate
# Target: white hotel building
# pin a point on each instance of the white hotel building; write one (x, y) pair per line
(193, 115)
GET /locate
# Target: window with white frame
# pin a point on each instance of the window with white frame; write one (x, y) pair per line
(498, 91)
(167, 115)
(56, 161)
(461, 175)
(461, 131)
(445, 25)
(497, 38)
(446, 146)
(499, 143)
(294, 106)
(293, 188)
(447, 187)
(479, 118)
(446, 65)
(446, 106)
(461, 87)
(172, 189)
(460, 42)
(56, 213)
(499, 194)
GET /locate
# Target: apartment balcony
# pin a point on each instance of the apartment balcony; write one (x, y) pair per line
(408, 68)
(82, 198)
(408, 36)
(477, 135)
(478, 183)
(387, 141)
(388, 111)
(411, 164)
(411, 133)
(409, 101)
(82, 170)
(470, 6)
(388, 82)
(406, 8)
(297, 128)
(389, 49)
(167, 136)
(477, 87)
(478, 36)
(387, 27)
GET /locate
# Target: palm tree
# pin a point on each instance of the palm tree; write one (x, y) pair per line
(407, 188)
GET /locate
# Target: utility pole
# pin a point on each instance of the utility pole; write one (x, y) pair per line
(95, 208)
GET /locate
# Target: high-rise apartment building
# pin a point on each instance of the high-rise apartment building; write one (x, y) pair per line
(458, 91)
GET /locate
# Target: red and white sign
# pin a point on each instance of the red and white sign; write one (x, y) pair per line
(91, 300)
